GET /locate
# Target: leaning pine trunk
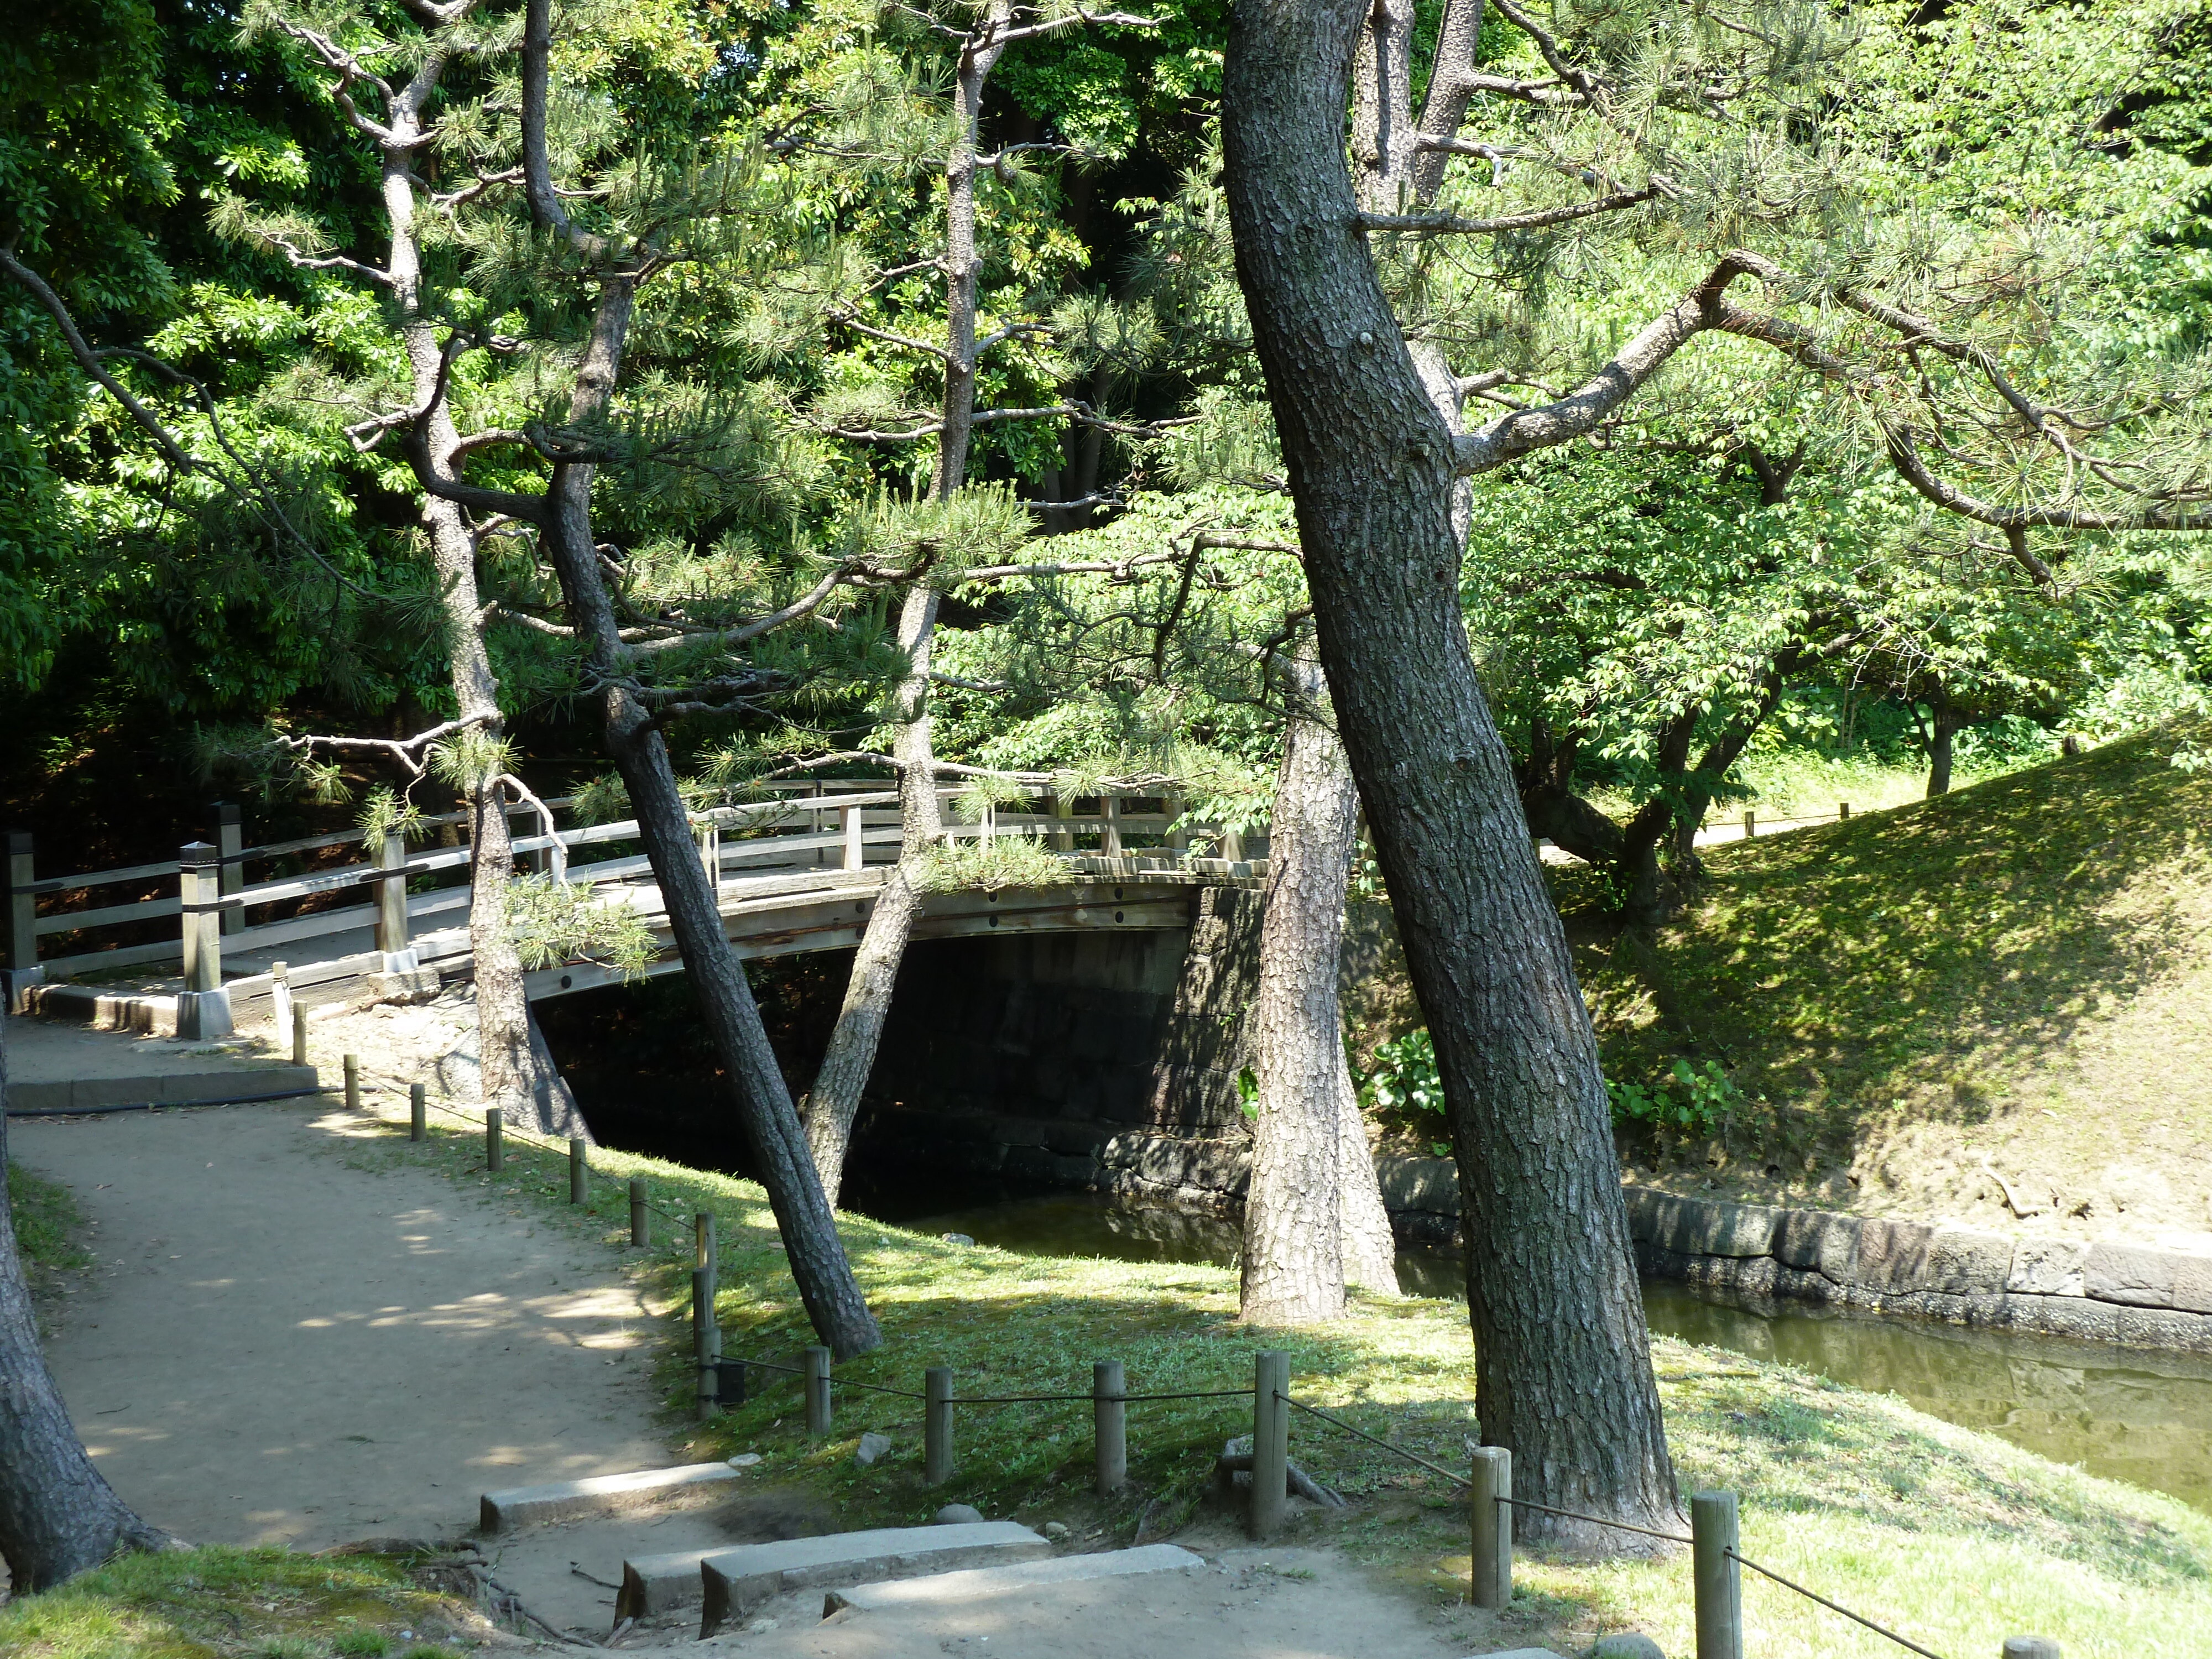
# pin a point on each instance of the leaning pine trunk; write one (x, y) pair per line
(1564, 1355)
(833, 1103)
(833, 1304)
(58, 1517)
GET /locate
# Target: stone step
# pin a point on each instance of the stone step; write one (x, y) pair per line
(598, 1494)
(731, 1583)
(951, 1589)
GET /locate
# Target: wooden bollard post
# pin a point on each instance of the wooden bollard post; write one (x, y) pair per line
(494, 1140)
(1109, 1419)
(702, 1239)
(640, 1216)
(1715, 1578)
(1491, 1585)
(418, 1112)
(298, 1035)
(706, 1343)
(2030, 1647)
(937, 1425)
(351, 1065)
(817, 1362)
(580, 1172)
(1750, 825)
(1271, 1442)
(1843, 811)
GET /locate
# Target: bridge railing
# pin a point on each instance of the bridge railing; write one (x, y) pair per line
(392, 897)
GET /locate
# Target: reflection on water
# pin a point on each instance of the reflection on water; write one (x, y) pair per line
(2137, 1417)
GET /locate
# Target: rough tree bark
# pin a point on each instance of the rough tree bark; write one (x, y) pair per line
(1564, 1359)
(834, 1101)
(516, 1068)
(818, 1266)
(1945, 727)
(1314, 1219)
(58, 1516)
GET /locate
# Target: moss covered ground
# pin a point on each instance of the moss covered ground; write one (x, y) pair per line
(2019, 972)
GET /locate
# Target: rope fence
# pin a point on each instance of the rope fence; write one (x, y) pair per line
(1716, 1581)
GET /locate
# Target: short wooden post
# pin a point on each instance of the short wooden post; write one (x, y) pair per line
(1491, 1489)
(1843, 811)
(703, 1248)
(817, 1380)
(494, 1140)
(1109, 1426)
(856, 849)
(280, 999)
(1715, 1578)
(230, 848)
(1178, 839)
(351, 1065)
(2030, 1647)
(1232, 845)
(391, 894)
(937, 1425)
(299, 1034)
(640, 1216)
(1750, 825)
(706, 1343)
(196, 879)
(580, 1172)
(1271, 1442)
(1063, 807)
(1110, 842)
(418, 1112)
(22, 905)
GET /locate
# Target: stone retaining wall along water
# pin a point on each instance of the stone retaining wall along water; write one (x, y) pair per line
(2098, 1291)
(2104, 1291)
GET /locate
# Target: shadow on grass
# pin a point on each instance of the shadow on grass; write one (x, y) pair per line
(1922, 956)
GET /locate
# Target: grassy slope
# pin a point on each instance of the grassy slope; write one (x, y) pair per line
(2021, 971)
(1953, 1536)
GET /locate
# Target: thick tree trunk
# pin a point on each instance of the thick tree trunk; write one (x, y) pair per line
(1564, 1359)
(1293, 1258)
(58, 1517)
(514, 1066)
(1314, 1219)
(833, 1103)
(1939, 750)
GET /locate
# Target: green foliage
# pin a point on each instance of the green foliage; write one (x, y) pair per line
(1687, 1100)
(555, 922)
(1002, 861)
(385, 812)
(361, 1644)
(47, 1221)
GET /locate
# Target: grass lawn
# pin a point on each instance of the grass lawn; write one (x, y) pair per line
(2020, 971)
(1952, 1537)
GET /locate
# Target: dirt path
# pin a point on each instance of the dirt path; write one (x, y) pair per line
(290, 1341)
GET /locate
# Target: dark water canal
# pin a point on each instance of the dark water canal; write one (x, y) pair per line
(2137, 1417)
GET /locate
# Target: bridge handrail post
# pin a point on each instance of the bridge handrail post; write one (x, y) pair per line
(856, 849)
(1109, 843)
(230, 845)
(1178, 839)
(203, 1007)
(22, 964)
(1063, 807)
(391, 894)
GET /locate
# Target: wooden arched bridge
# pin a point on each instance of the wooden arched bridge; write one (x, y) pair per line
(797, 872)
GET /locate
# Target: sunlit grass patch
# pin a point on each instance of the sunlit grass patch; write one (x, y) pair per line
(202, 1603)
(1955, 1538)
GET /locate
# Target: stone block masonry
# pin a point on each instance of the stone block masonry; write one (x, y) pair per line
(2135, 1295)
